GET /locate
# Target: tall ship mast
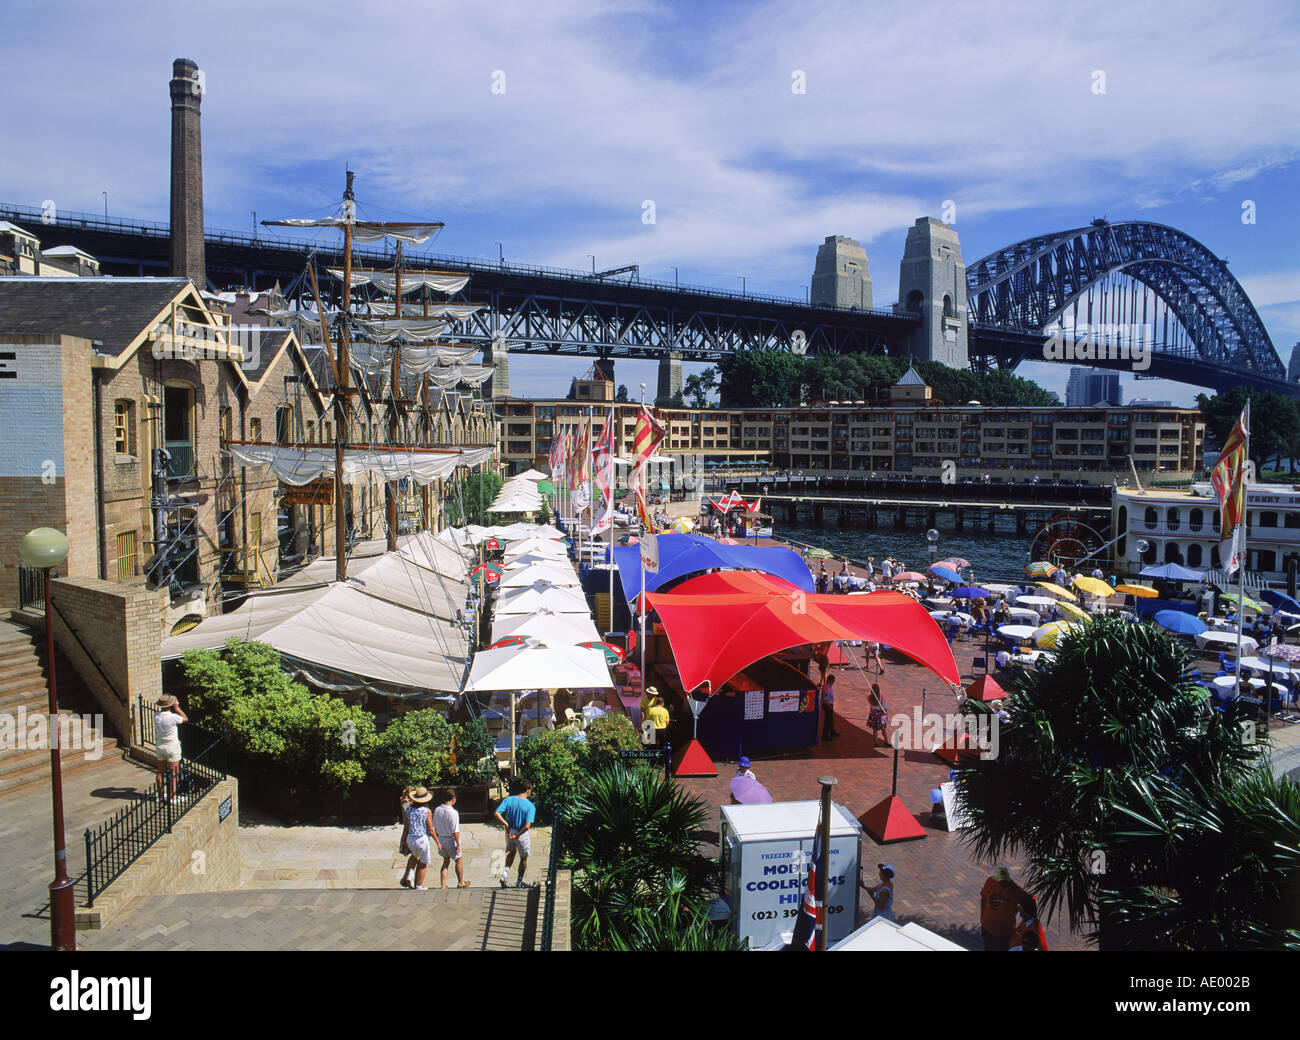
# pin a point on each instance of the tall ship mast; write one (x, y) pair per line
(395, 352)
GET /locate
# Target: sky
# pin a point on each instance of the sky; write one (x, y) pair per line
(723, 140)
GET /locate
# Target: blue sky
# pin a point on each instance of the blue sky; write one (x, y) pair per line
(606, 105)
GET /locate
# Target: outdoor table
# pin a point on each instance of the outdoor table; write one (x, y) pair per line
(593, 712)
(1267, 664)
(1023, 614)
(939, 602)
(1026, 657)
(1016, 632)
(1036, 601)
(1226, 686)
(1226, 641)
(943, 616)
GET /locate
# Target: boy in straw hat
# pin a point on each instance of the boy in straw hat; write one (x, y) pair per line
(416, 833)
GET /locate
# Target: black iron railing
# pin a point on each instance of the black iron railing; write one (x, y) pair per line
(552, 869)
(31, 588)
(119, 841)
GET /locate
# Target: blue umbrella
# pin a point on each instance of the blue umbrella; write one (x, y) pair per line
(1181, 622)
(1172, 572)
(1280, 600)
(970, 592)
(946, 573)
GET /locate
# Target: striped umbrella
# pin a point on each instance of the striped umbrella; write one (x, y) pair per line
(1247, 603)
(491, 572)
(613, 655)
(1047, 636)
(1070, 610)
(956, 563)
(500, 644)
(1041, 569)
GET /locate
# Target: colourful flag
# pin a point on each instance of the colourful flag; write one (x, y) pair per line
(602, 454)
(810, 911)
(645, 439)
(1229, 480)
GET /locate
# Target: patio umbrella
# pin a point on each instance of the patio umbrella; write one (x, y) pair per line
(1057, 590)
(1171, 571)
(946, 573)
(1041, 569)
(682, 525)
(1181, 622)
(491, 572)
(956, 563)
(1282, 652)
(1246, 604)
(1092, 586)
(533, 666)
(909, 576)
(819, 554)
(1047, 636)
(613, 655)
(1280, 601)
(1141, 591)
(1070, 610)
(969, 592)
(507, 641)
(985, 688)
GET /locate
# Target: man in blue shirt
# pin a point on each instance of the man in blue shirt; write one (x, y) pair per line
(516, 815)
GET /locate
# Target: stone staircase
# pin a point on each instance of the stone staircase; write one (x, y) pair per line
(23, 696)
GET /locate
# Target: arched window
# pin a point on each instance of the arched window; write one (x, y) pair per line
(1195, 520)
(915, 299)
(1194, 554)
(1172, 553)
(949, 311)
(1151, 518)
(1171, 518)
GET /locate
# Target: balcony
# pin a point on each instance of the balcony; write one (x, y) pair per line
(181, 464)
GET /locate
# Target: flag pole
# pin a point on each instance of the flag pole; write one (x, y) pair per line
(638, 490)
(613, 483)
(1245, 555)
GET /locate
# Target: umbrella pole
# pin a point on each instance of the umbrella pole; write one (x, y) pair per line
(1245, 553)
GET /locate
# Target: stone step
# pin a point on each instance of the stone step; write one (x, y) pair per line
(28, 768)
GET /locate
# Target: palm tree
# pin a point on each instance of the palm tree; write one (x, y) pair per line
(673, 923)
(1119, 703)
(630, 836)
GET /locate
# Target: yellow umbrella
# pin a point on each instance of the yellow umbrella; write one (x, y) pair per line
(1048, 635)
(1092, 586)
(682, 525)
(1071, 610)
(1056, 590)
(1144, 591)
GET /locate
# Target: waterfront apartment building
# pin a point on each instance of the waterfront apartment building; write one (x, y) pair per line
(100, 376)
(910, 433)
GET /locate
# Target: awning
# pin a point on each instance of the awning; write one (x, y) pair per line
(531, 598)
(719, 623)
(547, 626)
(539, 667)
(683, 554)
(558, 573)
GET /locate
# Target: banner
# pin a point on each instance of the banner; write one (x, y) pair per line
(1229, 480)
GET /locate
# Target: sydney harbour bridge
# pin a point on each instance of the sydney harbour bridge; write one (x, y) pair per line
(1131, 296)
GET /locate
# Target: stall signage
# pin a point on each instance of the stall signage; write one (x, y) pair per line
(317, 493)
(772, 881)
(650, 552)
(783, 700)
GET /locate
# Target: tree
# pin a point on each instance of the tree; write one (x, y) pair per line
(413, 749)
(555, 765)
(1274, 421)
(469, 505)
(473, 754)
(699, 387)
(1118, 705)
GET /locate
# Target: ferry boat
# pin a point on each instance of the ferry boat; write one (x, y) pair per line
(1182, 526)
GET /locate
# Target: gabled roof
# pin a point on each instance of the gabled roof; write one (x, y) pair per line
(115, 311)
(910, 378)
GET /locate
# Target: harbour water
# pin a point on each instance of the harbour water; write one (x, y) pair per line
(997, 555)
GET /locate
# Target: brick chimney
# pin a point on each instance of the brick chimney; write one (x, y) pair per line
(187, 175)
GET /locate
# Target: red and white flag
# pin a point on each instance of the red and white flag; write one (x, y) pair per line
(1229, 480)
(646, 438)
(602, 457)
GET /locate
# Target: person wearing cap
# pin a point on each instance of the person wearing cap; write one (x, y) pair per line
(416, 836)
(167, 718)
(742, 768)
(999, 899)
(883, 894)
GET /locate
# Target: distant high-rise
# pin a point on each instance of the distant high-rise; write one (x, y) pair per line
(1293, 369)
(841, 277)
(1087, 387)
(187, 175)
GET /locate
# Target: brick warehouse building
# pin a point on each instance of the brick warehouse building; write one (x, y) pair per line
(910, 433)
(96, 373)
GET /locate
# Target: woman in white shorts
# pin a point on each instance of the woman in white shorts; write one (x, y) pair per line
(416, 836)
(167, 719)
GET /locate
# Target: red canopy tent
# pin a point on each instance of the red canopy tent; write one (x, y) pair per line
(718, 623)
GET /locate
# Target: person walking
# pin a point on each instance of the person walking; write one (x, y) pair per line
(446, 831)
(882, 895)
(416, 833)
(999, 899)
(659, 718)
(873, 654)
(828, 707)
(167, 719)
(877, 715)
(1029, 935)
(516, 815)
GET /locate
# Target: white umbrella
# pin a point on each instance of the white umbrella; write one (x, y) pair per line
(528, 600)
(548, 626)
(534, 666)
(523, 529)
(529, 475)
(559, 574)
(536, 546)
(524, 559)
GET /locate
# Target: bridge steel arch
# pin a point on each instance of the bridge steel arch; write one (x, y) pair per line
(1026, 287)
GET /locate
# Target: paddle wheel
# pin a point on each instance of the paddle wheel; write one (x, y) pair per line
(1065, 540)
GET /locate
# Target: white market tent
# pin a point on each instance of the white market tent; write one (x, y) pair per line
(558, 574)
(531, 475)
(880, 934)
(535, 546)
(551, 628)
(528, 599)
(528, 558)
(389, 628)
(539, 667)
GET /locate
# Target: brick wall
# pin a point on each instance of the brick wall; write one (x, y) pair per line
(119, 627)
(201, 854)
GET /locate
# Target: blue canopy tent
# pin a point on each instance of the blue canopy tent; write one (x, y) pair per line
(683, 554)
(1171, 572)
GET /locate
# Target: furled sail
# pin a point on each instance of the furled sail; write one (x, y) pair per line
(302, 465)
(386, 281)
(368, 230)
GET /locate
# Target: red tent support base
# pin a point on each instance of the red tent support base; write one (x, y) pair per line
(955, 748)
(889, 821)
(693, 761)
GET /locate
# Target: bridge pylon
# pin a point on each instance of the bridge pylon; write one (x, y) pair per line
(932, 283)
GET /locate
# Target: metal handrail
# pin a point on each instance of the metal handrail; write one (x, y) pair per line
(85, 650)
(552, 868)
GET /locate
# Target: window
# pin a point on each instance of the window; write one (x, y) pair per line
(124, 427)
(1268, 519)
(1196, 520)
(283, 424)
(1194, 554)
(1151, 517)
(178, 431)
(126, 556)
(227, 423)
(255, 429)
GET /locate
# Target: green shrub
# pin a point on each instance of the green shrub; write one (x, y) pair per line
(475, 754)
(556, 765)
(606, 737)
(414, 749)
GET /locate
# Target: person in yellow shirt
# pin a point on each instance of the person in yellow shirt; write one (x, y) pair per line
(659, 716)
(647, 699)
